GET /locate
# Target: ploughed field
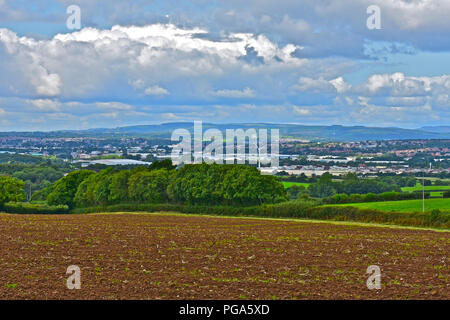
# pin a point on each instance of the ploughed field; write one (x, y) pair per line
(163, 256)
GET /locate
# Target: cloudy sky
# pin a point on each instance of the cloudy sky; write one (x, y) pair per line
(289, 61)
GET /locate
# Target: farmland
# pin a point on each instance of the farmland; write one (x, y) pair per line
(418, 187)
(168, 256)
(290, 184)
(435, 191)
(405, 205)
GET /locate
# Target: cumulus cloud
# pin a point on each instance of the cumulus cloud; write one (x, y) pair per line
(155, 91)
(340, 25)
(340, 85)
(382, 99)
(394, 87)
(259, 59)
(399, 85)
(314, 85)
(321, 85)
(46, 105)
(92, 61)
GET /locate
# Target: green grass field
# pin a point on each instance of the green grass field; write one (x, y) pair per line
(405, 205)
(290, 184)
(418, 187)
(436, 194)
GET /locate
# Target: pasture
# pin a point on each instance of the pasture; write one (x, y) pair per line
(436, 191)
(290, 184)
(405, 205)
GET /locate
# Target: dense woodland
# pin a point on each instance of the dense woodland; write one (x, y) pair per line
(200, 184)
(192, 185)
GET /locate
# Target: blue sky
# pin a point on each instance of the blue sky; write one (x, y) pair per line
(287, 61)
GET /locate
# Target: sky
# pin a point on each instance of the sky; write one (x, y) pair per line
(225, 61)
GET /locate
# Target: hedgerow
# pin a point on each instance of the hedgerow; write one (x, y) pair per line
(292, 209)
(34, 208)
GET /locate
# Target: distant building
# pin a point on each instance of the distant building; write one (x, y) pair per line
(116, 162)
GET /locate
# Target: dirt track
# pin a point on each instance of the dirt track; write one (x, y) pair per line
(142, 256)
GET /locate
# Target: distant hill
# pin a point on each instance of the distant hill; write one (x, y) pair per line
(312, 133)
(438, 129)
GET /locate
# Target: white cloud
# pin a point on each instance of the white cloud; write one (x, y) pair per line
(301, 111)
(156, 91)
(137, 84)
(46, 105)
(399, 85)
(340, 85)
(322, 85)
(94, 62)
(406, 101)
(396, 84)
(254, 50)
(314, 85)
(113, 106)
(46, 84)
(245, 93)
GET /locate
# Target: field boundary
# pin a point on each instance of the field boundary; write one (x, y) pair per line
(309, 210)
(174, 213)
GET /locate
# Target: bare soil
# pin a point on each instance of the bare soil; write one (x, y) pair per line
(163, 256)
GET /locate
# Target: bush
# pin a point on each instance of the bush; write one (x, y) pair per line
(292, 209)
(390, 196)
(11, 189)
(337, 198)
(372, 197)
(34, 208)
(354, 198)
(435, 219)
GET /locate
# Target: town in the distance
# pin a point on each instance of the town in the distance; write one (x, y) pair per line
(304, 155)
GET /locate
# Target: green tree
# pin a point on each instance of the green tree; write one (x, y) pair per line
(149, 186)
(64, 190)
(243, 185)
(164, 164)
(321, 190)
(294, 191)
(198, 184)
(326, 178)
(118, 189)
(95, 189)
(204, 184)
(351, 177)
(11, 189)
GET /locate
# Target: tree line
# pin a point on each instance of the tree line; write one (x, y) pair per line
(351, 184)
(194, 184)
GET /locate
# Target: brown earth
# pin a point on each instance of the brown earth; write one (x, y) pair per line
(162, 256)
